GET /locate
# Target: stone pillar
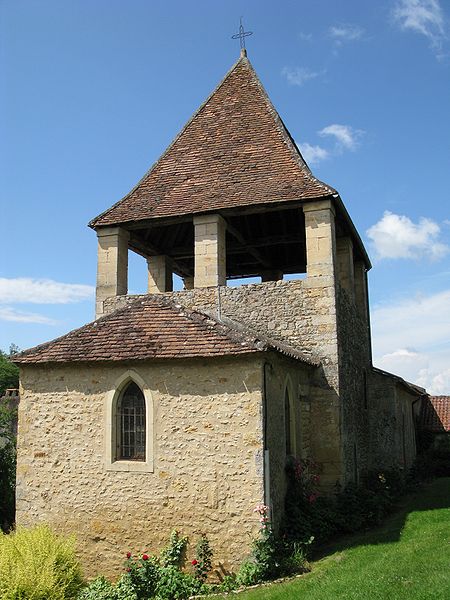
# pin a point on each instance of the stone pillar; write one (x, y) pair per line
(345, 266)
(273, 275)
(326, 406)
(159, 274)
(210, 251)
(188, 283)
(112, 265)
(361, 299)
(320, 241)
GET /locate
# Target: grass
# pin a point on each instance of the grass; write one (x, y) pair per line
(408, 558)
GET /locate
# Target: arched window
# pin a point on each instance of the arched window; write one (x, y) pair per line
(131, 424)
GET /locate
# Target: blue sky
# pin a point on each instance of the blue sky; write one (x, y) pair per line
(92, 92)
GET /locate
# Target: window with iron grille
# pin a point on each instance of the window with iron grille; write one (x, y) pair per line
(130, 418)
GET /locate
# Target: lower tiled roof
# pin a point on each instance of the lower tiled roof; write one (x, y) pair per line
(153, 327)
(435, 414)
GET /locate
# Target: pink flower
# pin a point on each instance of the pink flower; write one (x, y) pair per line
(128, 570)
(145, 557)
(312, 498)
(128, 554)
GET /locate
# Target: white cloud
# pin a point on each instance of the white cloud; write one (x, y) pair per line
(299, 75)
(313, 154)
(436, 383)
(42, 291)
(345, 136)
(346, 32)
(421, 16)
(11, 314)
(411, 338)
(396, 236)
(421, 322)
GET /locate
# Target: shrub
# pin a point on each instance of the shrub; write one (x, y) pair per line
(144, 574)
(102, 589)
(272, 556)
(98, 589)
(435, 462)
(308, 515)
(175, 552)
(38, 565)
(173, 584)
(161, 577)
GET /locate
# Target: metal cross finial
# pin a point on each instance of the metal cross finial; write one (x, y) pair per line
(241, 35)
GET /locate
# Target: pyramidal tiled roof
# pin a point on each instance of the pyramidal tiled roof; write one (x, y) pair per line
(234, 152)
(153, 327)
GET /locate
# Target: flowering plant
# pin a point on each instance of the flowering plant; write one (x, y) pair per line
(202, 563)
(263, 512)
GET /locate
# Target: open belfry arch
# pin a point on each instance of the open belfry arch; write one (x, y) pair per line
(230, 198)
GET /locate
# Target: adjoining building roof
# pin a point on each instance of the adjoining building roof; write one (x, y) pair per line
(234, 152)
(411, 387)
(435, 414)
(153, 328)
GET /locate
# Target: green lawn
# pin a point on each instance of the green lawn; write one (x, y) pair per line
(407, 558)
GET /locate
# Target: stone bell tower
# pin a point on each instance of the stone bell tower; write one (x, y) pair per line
(232, 198)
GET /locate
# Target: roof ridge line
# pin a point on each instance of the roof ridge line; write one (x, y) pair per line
(289, 140)
(174, 140)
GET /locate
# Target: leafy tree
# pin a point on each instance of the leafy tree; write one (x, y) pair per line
(9, 378)
(9, 372)
(7, 465)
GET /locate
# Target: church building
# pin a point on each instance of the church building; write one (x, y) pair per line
(180, 409)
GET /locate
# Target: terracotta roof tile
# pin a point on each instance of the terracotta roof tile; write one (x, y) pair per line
(153, 327)
(435, 413)
(235, 151)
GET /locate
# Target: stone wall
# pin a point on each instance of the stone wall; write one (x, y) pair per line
(354, 365)
(392, 430)
(282, 373)
(303, 312)
(208, 458)
(287, 310)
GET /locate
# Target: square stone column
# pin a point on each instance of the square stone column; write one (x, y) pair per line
(345, 265)
(361, 296)
(112, 265)
(273, 275)
(210, 251)
(320, 241)
(188, 283)
(159, 274)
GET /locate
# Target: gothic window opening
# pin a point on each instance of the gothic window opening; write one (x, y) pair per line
(130, 421)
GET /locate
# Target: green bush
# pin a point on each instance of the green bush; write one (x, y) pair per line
(202, 562)
(36, 564)
(173, 584)
(98, 589)
(174, 554)
(435, 462)
(356, 507)
(102, 589)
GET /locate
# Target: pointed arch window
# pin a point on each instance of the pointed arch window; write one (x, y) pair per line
(128, 412)
(131, 424)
